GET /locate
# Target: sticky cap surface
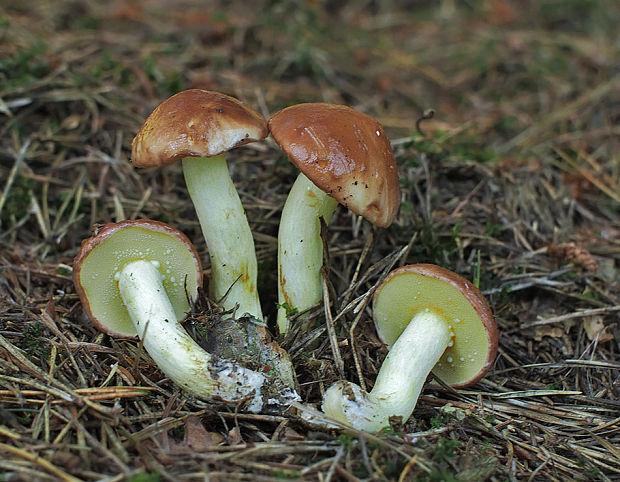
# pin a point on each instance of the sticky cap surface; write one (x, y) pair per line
(343, 152)
(195, 123)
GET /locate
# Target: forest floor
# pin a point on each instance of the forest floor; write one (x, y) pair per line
(513, 183)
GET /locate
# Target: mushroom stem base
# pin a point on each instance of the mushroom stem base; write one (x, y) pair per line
(300, 248)
(399, 381)
(173, 350)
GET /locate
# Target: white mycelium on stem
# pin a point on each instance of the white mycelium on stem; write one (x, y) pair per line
(400, 379)
(139, 278)
(172, 349)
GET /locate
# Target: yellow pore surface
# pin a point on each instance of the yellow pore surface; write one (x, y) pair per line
(100, 268)
(408, 293)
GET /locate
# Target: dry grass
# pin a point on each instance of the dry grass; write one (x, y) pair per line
(513, 183)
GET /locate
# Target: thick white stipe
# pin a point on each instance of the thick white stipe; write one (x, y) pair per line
(300, 248)
(399, 381)
(226, 231)
(174, 351)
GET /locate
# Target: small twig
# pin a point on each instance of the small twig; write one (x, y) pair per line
(364, 450)
(569, 316)
(407, 469)
(464, 202)
(331, 332)
(62, 475)
(426, 115)
(108, 393)
(14, 170)
(346, 296)
(402, 257)
(524, 283)
(332, 467)
(358, 365)
(538, 469)
(139, 349)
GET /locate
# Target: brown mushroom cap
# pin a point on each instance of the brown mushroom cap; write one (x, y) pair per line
(195, 123)
(412, 288)
(103, 256)
(343, 152)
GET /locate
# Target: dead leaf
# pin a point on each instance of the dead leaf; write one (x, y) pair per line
(547, 330)
(291, 435)
(50, 307)
(198, 438)
(129, 11)
(234, 436)
(67, 460)
(126, 375)
(595, 327)
(501, 12)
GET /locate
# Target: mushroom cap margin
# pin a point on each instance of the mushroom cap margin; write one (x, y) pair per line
(345, 153)
(195, 123)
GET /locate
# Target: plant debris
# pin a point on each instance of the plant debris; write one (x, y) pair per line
(512, 183)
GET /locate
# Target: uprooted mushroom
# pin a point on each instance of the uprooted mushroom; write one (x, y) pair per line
(431, 319)
(139, 278)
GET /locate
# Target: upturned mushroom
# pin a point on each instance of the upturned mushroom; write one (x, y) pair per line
(344, 157)
(139, 278)
(432, 319)
(198, 127)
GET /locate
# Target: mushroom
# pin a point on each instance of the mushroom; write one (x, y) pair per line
(139, 278)
(344, 157)
(199, 126)
(433, 319)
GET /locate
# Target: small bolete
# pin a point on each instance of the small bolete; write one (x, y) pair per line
(199, 126)
(344, 157)
(139, 278)
(432, 319)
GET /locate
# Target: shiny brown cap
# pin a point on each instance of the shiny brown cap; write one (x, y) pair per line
(195, 123)
(104, 255)
(343, 152)
(410, 289)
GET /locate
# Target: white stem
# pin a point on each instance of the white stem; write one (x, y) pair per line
(173, 350)
(226, 232)
(400, 379)
(300, 248)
